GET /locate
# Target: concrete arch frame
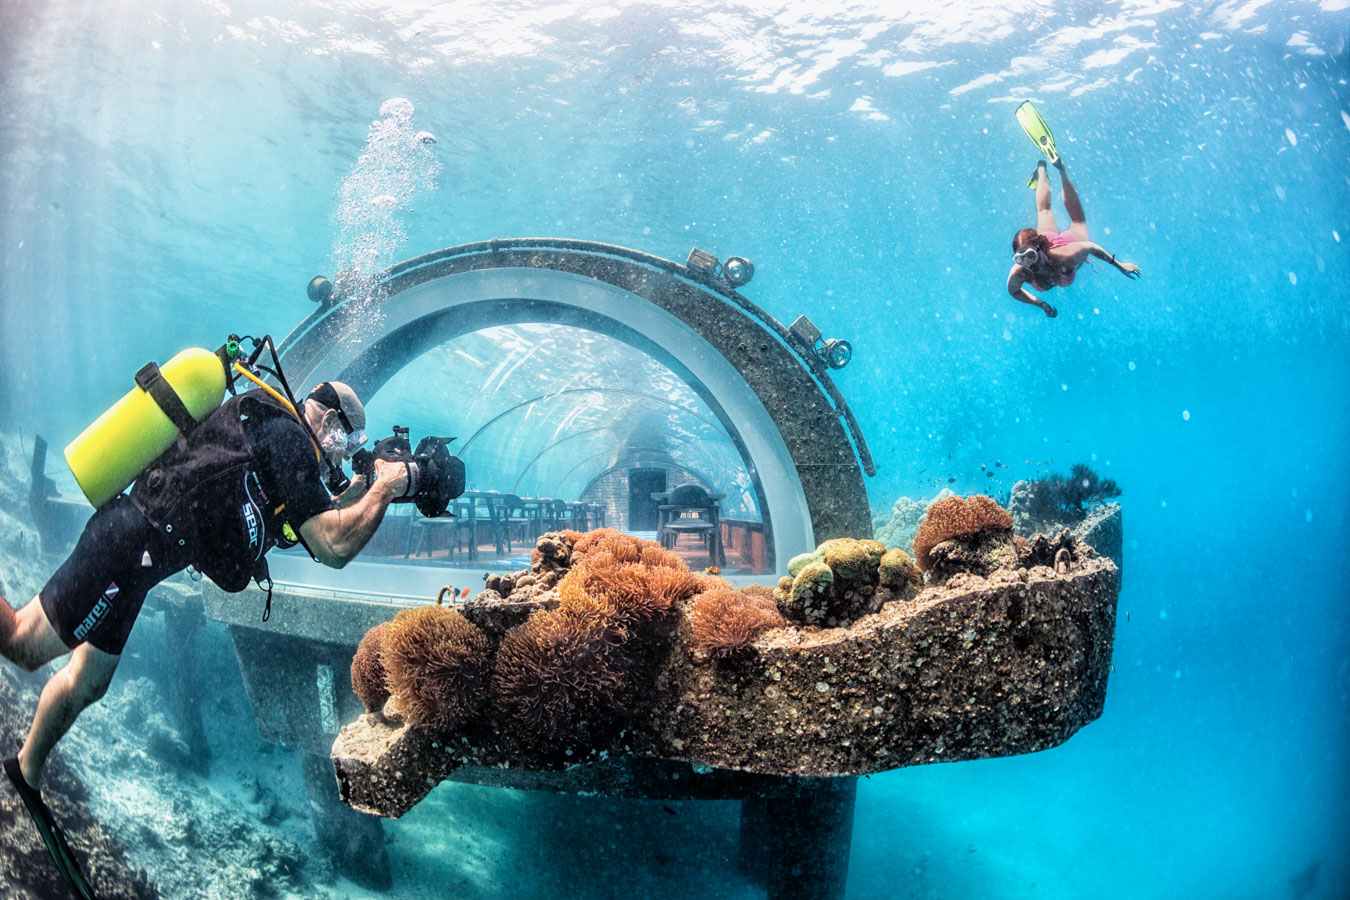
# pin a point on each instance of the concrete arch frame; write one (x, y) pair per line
(767, 389)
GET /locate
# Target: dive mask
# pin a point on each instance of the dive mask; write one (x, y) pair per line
(1028, 257)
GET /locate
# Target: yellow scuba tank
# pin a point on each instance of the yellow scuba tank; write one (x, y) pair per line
(166, 402)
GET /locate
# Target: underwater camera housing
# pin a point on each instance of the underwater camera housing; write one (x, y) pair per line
(435, 475)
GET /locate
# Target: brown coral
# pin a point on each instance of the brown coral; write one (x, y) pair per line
(725, 620)
(437, 666)
(952, 517)
(561, 676)
(368, 676)
(552, 552)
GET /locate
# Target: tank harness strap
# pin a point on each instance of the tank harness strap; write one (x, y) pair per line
(152, 381)
(267, 610)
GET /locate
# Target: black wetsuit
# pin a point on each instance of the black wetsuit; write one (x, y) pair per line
(216, 500)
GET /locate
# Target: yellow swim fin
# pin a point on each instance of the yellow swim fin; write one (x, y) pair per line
(1037, 130)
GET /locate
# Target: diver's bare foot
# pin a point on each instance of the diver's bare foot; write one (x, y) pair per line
(1050, 311)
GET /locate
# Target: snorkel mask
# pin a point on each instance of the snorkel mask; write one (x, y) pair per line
(1028, 257)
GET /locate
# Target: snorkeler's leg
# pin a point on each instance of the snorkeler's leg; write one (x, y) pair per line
(27, 637)
(1077, 221)
(1045, 217)
(81, 682)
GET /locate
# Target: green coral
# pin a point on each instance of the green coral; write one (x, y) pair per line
(809, 579)
(850, 559)
(898, 570)
(802, 560)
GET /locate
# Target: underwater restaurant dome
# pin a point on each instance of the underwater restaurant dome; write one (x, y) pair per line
(596, 376)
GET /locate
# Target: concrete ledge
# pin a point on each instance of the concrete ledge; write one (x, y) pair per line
(977, 668)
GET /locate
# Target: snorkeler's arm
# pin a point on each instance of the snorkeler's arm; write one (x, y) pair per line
(1016, 279)
(1081, 250)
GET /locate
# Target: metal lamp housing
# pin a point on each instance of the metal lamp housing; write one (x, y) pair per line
(737, 271)
(836, 353)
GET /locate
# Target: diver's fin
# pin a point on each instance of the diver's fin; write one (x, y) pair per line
(50, 832)
(1035, 178)
(1037, 130)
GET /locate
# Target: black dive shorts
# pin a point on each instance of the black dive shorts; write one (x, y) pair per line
(97, 593)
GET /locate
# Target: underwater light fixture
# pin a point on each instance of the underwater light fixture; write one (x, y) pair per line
(836, 353)
(320, 289)
(737, 271)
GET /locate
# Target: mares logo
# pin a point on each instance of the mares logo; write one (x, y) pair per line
(97, 613)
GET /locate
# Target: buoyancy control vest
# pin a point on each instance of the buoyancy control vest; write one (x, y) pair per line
(213, 500)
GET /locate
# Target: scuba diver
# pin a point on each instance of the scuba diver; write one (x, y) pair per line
(228, 488)
(1045, 257)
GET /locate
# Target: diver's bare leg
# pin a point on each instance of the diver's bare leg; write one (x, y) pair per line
(27, 639)
(1077, 221)
(80, 683)
(1045, 217)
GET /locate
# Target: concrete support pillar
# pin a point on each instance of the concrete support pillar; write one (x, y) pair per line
(182, 623)
(798, 848)
(353, 841)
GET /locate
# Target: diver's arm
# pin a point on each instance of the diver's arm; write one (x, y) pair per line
(337, 535)
(355, 491)
(1016, 279)
(1080, 250)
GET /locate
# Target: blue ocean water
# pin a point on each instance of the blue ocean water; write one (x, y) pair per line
(171, 172)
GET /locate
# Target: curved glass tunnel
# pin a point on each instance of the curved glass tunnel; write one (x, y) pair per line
(556, 414)
(582, 383)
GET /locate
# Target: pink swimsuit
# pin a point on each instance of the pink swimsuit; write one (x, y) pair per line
(1058, 239)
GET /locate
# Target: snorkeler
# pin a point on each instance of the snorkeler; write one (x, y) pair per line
(1045, 257)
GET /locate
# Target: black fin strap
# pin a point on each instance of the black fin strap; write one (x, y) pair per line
(151, 380)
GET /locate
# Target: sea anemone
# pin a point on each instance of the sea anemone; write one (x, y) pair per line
(952, 517)
(725, 620)
(437, 665)
(561, 676)
(637, 592)
(368, 677)
(573, 596)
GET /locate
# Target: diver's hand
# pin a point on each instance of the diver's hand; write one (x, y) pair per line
(1050, 311)
(1129, 270)
(393, 476)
